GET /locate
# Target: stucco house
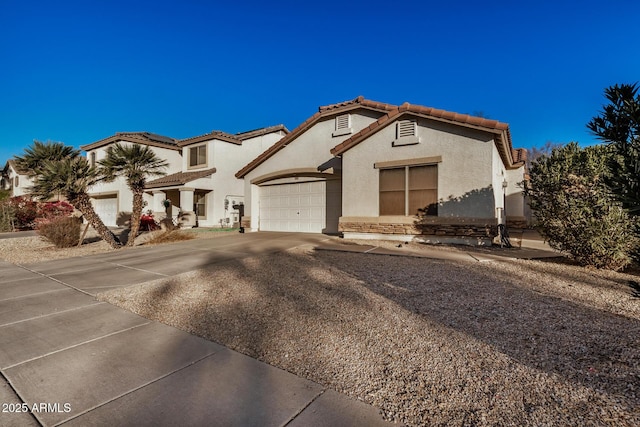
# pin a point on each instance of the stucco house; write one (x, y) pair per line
(367, 169)
(113, 201)
(200, 187)
(205, 189)
(15, 180)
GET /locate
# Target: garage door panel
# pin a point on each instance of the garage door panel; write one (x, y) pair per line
(107, 209)
(293, 207)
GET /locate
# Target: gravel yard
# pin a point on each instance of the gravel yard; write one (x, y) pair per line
(429, 342)
(26, 250)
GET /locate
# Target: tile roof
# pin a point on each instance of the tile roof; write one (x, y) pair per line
(146, 138)
(262, 131)
(214, 134)
(179, 178)
(520, 155)
(15, 167)
(509, 156)
(232, 138)
(323, 111)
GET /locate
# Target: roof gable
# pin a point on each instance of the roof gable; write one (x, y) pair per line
(502, 135)
(237, 138)
(323, 112)
(146, 138)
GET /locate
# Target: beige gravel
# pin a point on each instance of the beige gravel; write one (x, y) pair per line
(429, 342)
(26, 250)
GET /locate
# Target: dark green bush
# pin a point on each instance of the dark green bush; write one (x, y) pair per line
(64, 231)
(576, 212)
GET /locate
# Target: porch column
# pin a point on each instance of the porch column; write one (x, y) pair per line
(187, 215)
(159, 211)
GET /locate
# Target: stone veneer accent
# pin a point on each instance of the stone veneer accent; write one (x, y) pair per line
(437, 226)
(245, 222)
(517, 223)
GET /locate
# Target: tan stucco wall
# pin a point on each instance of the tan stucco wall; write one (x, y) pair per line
(310, 150)
(227, 158)
(464, 175)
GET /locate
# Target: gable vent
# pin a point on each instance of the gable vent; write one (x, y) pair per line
(406, 128)
(343, 125)
(342, 122)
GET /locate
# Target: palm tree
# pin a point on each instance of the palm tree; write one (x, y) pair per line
(71, 177)
(34, 157)
(135, 163)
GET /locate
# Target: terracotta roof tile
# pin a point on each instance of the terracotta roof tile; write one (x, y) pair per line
(323, 111)
(15, 167)
(146, 138)
(262, 131)
(228, 137)
(179, 178)
(214, 134)
(503, 134)
(519, 155)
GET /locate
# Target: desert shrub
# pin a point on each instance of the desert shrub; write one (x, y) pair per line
(170, 236)
(576, 212)
(168, 224)
(25, 212)
(62, 231)
(7, 216)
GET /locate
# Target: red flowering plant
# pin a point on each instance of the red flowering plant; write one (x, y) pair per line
(148, 222)
(26, 211)
(50, 211)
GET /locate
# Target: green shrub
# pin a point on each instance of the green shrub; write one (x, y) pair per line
(576, 212)
(63, 231)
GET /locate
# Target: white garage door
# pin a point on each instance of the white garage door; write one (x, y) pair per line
(107, 210)
(293, 207)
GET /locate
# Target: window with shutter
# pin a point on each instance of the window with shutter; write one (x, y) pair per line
(408, 190)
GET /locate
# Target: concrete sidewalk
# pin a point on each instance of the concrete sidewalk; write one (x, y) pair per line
(72, 360)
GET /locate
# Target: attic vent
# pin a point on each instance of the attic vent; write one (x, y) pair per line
(342, 122)
(406, 128)
(406, 133)
(343, 125)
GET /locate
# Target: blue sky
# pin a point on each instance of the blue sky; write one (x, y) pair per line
(79, 71)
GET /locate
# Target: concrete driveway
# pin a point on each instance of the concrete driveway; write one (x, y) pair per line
(68, 359)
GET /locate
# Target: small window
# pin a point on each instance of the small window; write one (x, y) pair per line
(93, 159)
(200, 205)
(343, 125)
(406, 133)
(198, 156)
(17, 181)
(409, 190)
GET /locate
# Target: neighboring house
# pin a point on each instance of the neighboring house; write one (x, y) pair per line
(113, 200)
(365, 169)
(15, 180)
(200, 187)
(205, 189)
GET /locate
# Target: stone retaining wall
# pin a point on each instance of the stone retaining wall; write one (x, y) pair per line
(445, 227)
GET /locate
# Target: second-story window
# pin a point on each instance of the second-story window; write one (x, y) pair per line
(93, 159)
(198, 156)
